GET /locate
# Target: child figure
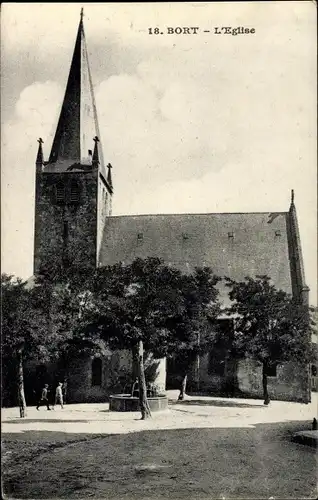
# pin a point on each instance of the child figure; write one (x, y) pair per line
(44, 398)
(59, 395)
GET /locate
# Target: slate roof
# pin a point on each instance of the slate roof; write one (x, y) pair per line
(78, 122)
(232, 244)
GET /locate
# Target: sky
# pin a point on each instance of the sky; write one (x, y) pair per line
(191, 123)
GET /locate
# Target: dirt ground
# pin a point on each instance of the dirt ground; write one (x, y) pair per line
(201, 448)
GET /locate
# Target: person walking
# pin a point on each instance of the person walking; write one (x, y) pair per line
(44, 397)
(59, 395)
(64, 391)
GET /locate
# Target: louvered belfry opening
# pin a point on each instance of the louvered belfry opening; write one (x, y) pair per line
(60, 193)
(74, 192)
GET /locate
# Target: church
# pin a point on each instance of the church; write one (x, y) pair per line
(73, 216)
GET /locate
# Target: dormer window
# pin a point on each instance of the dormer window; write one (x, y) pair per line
(277, 233)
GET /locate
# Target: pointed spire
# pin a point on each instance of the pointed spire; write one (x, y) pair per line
(39, 157)
(292, 200)
(292, 197)
(109, 176)
(78, 121)
(299, 287)
(95, 159)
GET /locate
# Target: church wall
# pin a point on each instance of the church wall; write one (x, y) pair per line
(213, 381)
(243, 378)
(290, 384)
(210, 378)
(116, 377)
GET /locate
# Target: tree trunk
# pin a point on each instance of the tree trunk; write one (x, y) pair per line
(138, 351)
(197, 372)
(21, 396)
(183, 387)
(265, 390)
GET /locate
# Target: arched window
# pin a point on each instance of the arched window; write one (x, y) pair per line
(60, 193)
(97, 371)
(74, 192)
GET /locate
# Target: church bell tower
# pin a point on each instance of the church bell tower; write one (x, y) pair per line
(74, 187)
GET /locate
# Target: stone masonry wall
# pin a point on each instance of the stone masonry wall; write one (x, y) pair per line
(65, 230)
(290, 383)
(116, 377)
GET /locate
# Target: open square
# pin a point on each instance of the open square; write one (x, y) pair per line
(199, 448)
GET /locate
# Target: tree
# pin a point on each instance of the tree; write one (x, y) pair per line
(65, 301)
(196, 330)
(270, 326)
(45, 321)
(23, 330)
(136, 307)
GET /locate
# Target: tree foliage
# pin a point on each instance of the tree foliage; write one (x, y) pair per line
(150, 303)
(201, 307)
(22, 324)
(136, 306)
(270, 325)
(67, 305)
(195, 330)
(140, 301)
(23, 332)
(155, 303)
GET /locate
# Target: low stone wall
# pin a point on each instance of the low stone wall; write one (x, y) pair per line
(125, 402)
(244, 377)
(290, 384)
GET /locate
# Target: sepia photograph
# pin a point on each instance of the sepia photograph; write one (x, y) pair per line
(159, 250)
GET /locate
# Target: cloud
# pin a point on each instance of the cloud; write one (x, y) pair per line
(190, 124)
(35, 116)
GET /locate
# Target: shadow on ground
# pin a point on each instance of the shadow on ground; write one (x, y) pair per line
(216, 402)
(51, 420)
(250, 463)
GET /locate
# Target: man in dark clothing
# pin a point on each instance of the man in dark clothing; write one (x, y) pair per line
(44, 399)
